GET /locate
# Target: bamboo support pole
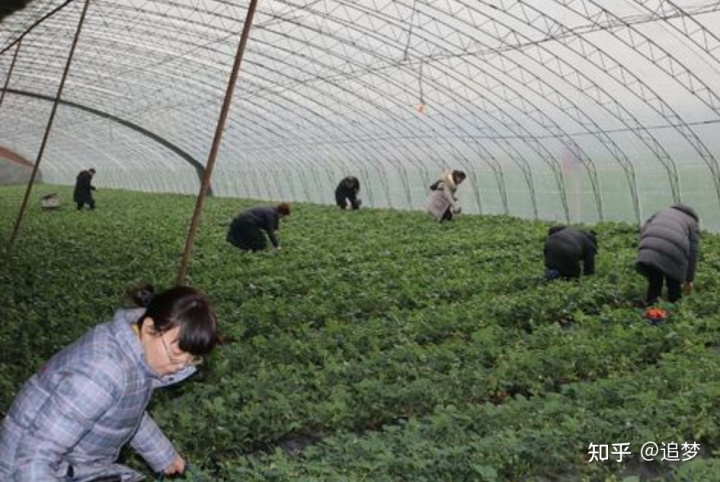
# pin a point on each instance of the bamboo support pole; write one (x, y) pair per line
(204, 185)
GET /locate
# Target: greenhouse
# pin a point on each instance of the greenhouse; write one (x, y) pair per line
(377, 344)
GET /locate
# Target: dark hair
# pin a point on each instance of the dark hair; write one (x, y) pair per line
(92, 169)
(142, 295)
(458, 175)
(555, 229)
(284, 209)
(184, 307)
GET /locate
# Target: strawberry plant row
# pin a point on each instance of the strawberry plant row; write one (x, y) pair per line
(378, 345)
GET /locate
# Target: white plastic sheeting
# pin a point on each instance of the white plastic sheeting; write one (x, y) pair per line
(572, 110)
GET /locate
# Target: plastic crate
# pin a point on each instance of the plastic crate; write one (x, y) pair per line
(50, 201)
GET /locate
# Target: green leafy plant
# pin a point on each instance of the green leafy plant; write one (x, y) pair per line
(378, 345)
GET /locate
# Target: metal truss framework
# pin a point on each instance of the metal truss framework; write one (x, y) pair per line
(575, 110)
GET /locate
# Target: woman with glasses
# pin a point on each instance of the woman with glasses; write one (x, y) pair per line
(71, 419)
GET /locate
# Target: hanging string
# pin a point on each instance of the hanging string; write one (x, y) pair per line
(410, 29)
(421, 107)
(406, 57)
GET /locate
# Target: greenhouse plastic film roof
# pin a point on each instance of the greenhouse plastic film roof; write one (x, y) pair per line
(571, 110)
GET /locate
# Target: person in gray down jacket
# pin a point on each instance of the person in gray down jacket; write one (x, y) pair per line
(565, 249)
(71, 418)
(668, 251)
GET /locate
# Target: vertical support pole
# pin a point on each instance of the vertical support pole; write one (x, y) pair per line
(204, 186)
(11, 241)
(10, 71)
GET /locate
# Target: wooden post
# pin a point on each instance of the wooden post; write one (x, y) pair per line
(11, 241)
(184, 263)
(10, 71)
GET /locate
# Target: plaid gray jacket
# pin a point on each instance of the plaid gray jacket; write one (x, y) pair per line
(89, 400)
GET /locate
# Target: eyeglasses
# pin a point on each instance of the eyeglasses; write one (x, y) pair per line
(190, 361)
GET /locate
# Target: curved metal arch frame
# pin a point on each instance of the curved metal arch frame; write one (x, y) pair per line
(684, 130)
(662, 109)
(576, 114)
(525, 168)
(317, 184)
(699, 37)
(547, 123)
(398, 166)
(675, 70)
(576, 78)
(199, 168)
(487, 157)
(541, 150)
(397, 163)
(310, 164)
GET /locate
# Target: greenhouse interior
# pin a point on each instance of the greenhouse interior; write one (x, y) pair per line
(360, 240)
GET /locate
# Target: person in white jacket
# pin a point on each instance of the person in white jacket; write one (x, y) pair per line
(442, 203)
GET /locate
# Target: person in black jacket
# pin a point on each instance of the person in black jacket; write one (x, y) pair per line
(246, 230)
(565, 249)
(348, 190)
(668, 251)
(83, 189)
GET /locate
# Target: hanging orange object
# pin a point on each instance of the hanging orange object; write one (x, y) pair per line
(421, 107)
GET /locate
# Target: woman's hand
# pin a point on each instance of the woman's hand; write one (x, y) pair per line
(176, 467)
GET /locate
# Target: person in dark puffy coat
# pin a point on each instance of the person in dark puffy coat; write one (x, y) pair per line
(566, 248)
(246, 230)
(668, 251)
(347, 191)
(83, 189)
